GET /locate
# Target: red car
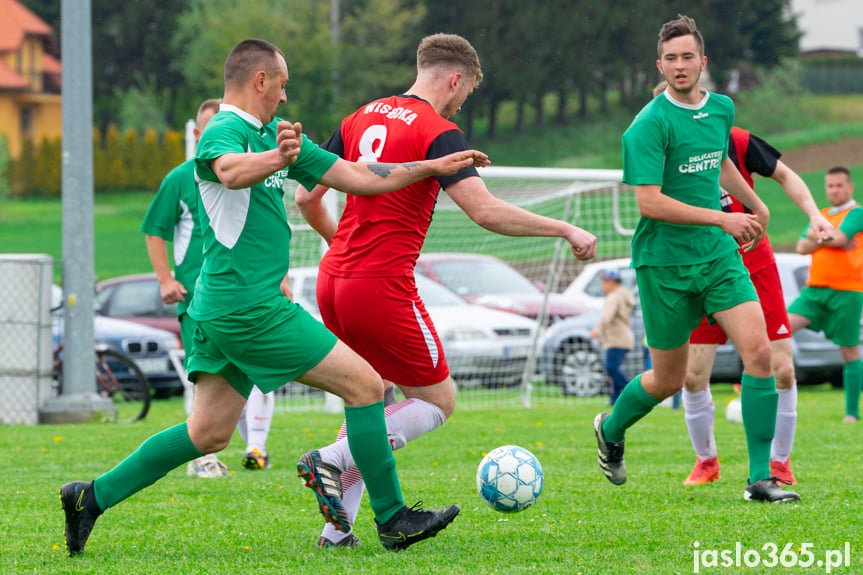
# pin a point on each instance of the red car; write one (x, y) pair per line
(488, 281)
(136, 298)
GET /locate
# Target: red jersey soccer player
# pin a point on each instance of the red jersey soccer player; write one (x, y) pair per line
(366, 291)
(751, 155)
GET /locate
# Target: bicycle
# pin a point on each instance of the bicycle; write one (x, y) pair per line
(117, 377)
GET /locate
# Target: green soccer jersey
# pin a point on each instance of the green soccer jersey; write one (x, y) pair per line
(679, 147)
(172, 216)
(245, 232)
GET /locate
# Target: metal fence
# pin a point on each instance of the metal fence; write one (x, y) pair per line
(26, 343)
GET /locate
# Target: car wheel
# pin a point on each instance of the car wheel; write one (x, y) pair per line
(578, 369)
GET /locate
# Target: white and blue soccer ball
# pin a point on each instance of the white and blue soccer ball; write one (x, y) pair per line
(509, 478)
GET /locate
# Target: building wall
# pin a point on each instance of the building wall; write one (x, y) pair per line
(830, 24)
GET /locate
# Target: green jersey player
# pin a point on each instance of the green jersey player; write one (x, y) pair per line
(246, 329)
(686, 257)
(173, 217)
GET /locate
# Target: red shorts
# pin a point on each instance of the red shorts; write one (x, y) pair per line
(385, 321)
(769, 288)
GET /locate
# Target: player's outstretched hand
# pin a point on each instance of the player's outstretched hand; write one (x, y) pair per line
(450, 164)
(289, 139)
(583, 244)
(821, 228)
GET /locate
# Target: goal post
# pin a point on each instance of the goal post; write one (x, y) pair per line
(595, 200)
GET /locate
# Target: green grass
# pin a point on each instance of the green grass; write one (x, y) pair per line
(266, 523)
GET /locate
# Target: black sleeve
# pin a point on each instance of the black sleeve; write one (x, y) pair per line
(761, 157)
(447, 143)
(335, 144)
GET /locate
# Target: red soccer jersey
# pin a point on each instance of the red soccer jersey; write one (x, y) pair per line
(751, 155)
(382, 235)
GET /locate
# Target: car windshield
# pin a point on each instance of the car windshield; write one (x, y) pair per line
(432, 293)
(481, 277)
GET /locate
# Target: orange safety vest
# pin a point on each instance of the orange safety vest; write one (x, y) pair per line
(838, 268)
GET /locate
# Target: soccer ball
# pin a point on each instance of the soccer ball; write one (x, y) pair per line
(734, 411)
(509, 478)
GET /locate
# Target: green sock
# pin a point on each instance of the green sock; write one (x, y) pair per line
(150, 462)
(852, 373)
(758, 401)
(370, 446)
(633, 404)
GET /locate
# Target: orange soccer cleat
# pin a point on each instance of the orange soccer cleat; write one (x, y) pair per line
(705, 471)
(782, 472)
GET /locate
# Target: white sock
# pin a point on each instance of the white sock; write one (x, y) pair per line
(700, 413)
(786, 423)
(242, 427)
(259, 415)
(406, 420)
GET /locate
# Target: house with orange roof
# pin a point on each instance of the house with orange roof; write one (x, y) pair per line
(30, 77)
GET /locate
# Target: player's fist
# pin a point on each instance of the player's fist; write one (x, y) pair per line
(289, 140)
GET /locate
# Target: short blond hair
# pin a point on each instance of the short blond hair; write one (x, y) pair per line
(206, 106)
(449, 50)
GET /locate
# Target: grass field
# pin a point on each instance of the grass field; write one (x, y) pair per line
(265, 522)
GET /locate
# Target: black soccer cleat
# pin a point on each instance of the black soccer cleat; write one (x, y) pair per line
(350, 541)
(609, 454)
(768, 490)
(325, 481)
(79, 504)
(413, 524)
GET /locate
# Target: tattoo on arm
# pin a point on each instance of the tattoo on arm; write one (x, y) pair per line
(383, 170)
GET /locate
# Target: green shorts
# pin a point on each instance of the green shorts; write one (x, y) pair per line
(267, 345)
(675, 298)
(835, 312)
(187, 337)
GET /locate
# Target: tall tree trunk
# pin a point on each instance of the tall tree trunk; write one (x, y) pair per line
(561, 107)
(582, 102)
(492, 120)
(518, 128)
(540, 109)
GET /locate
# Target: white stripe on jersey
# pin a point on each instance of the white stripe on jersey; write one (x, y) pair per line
(183, 234)
(430, 343)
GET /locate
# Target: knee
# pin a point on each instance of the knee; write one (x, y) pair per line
(210, 439)
(757, 360)
(368, 389)
(784, 373)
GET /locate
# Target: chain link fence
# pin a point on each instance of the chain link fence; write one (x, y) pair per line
(26, 342)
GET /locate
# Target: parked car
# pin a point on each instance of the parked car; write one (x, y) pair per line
(136, 298)
(482, 346)
(491, 282)
(569, 358)
(149, 347)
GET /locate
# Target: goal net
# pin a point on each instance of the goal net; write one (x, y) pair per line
(500, 360)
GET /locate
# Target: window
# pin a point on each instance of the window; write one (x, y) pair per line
(26, 116)
(135, 299)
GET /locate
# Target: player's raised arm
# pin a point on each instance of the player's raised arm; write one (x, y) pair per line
(366, 179)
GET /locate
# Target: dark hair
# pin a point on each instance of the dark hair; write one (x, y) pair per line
(449, 50)
(840, 170)
(681, 26)
(248, 57)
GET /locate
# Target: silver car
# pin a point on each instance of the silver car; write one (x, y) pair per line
(570, 359)
(482, 346)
